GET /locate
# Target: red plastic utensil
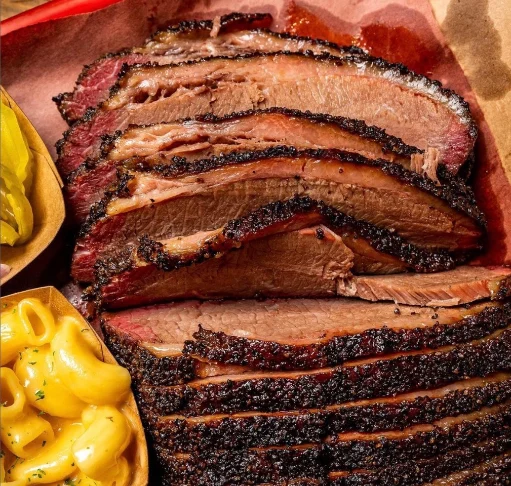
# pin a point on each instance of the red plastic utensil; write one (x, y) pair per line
(54, 9)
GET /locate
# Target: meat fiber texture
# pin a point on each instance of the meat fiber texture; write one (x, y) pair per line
(399, 30)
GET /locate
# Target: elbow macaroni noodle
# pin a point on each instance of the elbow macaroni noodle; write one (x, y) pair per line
(60, 417)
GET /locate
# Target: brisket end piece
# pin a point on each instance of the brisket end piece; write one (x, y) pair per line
(296, 390)
(94, 82)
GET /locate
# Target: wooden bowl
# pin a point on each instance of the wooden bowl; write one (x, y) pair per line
(60, 306)
(46, 199)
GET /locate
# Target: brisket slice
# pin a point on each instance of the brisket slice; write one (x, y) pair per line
(180, 42)
(281, 334)
(283, 264)
(184, 198)
(272, 464)
(234, 34)
(291, 264)
(463, 285)
(278, 391)
(295, 334)
(358, 450)
(451, 204)
(153, 363)
(406, 105)
(422, 472)
(407, 331)
(207, 136)
(247, 430)
(495, 472)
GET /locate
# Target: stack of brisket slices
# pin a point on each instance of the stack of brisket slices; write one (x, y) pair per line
(222, 160)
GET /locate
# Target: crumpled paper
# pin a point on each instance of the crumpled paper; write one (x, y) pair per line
(41, 61)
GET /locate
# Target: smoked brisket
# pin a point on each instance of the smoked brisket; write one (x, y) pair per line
(230, 34)
(187, 197)
(208, 136)
(406, 105)
(278, 391)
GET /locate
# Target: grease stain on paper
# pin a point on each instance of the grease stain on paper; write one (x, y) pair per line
(489, 76)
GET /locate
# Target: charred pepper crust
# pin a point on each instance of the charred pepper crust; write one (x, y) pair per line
(361, 453)
(448, 96)
(247, 467)
(180, 435)
(185, 27)
(379, 452)
(499, 477)
(389, 143)
(381, 378)
(243, 229)
(144, 366)
(453, 190)
(268, 355)
(498, 473)
(259, 466)
(416, 473)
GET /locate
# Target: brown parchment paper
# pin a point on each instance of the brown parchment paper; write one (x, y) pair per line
(61, 307)
(45, 198)
(42, 60)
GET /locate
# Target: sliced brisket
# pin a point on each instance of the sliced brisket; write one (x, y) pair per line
(460, 286)
(286, 264)
(184, 198)
(281, 334)
(362, 335)
(208, 136)
(246, 430)
(406, 105)
(278, 391)
(225, 36)
(258, 466)
(422, 472)
(308, 334)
